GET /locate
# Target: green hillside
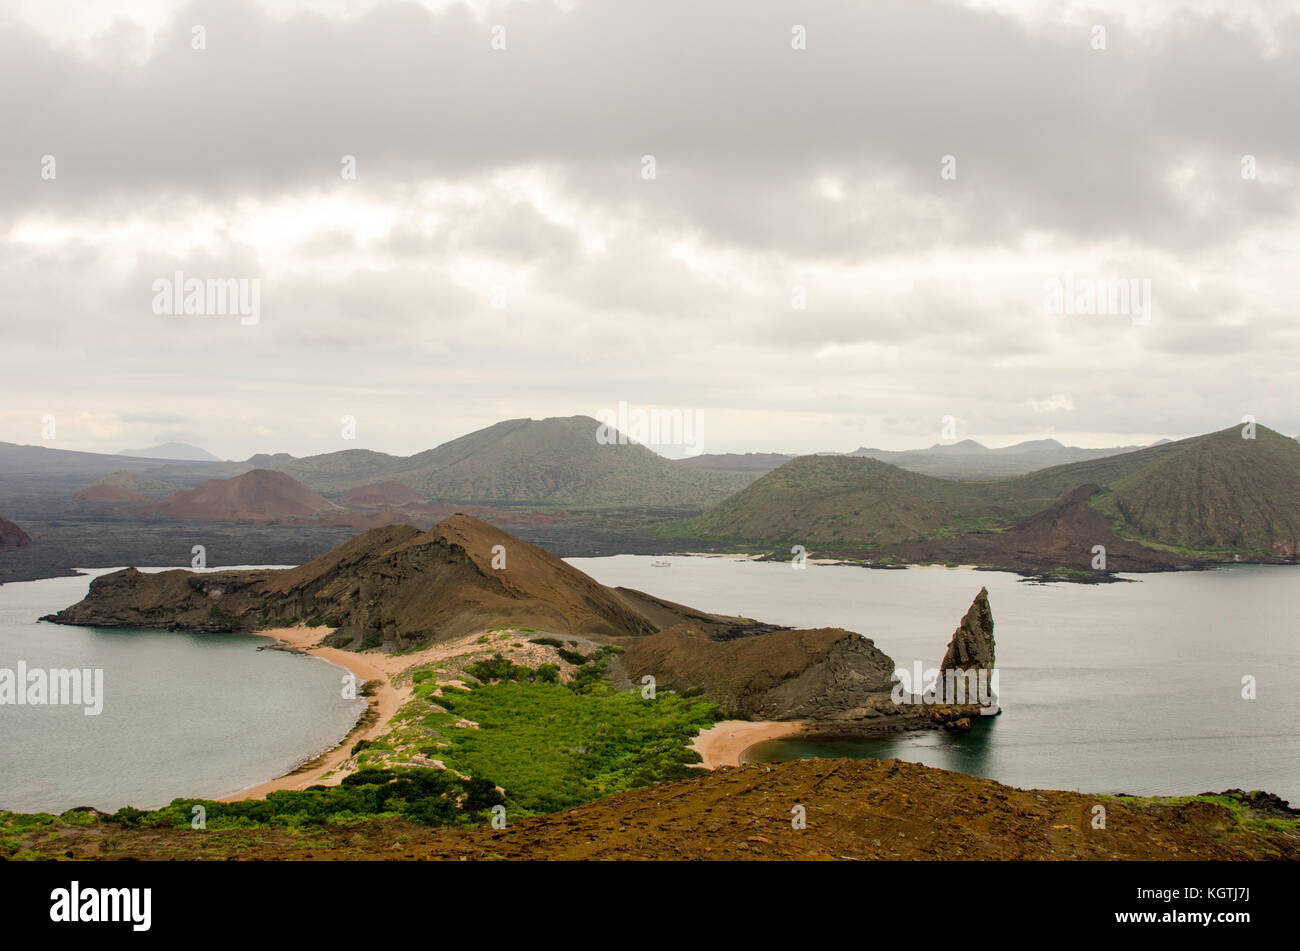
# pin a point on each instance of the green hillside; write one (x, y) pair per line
(1213, 494)
(558, 461)
(843, 500)
(334, 472)
(550, 462)
(1218, 493)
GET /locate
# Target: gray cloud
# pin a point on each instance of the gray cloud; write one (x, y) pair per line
(520, 169)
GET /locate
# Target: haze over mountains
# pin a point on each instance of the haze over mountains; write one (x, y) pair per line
(551, 462)
(966, 459)
(554, 461)
(172, 450)
(1173, 504)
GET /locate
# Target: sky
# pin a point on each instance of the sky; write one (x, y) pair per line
(811, 225)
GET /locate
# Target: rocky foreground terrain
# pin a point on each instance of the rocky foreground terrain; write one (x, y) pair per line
(855, 810)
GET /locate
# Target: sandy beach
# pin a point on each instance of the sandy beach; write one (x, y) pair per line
(383, 704)
(387, 699)
(724, 743)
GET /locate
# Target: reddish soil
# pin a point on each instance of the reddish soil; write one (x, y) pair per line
(259, 495)
(855, 810)
(382, 495)
(11, 536)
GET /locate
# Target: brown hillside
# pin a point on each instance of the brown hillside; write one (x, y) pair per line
(393, 587)
(1062, 536)
(259, 495)
(382, 494)
(772, 675)
(11, 536)
(860, 810)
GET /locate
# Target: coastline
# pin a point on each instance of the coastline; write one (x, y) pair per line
(385, 702)
(726, 742)
(390, 695)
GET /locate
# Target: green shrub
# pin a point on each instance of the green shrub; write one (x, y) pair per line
(548, 674)
(499, 668)
(430, 796)
(550, 747)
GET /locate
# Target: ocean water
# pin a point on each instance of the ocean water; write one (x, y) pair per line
(1129, 687)
(183, 714)
(1108, 688)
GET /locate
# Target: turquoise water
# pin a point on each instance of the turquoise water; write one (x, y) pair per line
(183, 715)
(1105, 688)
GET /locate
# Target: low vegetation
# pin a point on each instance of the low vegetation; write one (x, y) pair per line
(518, 736)
(550, 745)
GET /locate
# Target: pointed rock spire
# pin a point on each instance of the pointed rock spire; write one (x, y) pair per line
(972, 645)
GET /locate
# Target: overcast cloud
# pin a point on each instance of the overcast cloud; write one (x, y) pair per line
(519, 172)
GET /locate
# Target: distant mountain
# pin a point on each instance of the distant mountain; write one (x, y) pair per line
(1036, 445)
(11, 536)
(1211, 497)
(559, 462)
(260, 495)
(38, 461)
(736, 461)
(853, 501)
(126, 486)
(339, 471)
(380, 494)
(266, 460)
(555, 463)
(172, 450)
(969, 459)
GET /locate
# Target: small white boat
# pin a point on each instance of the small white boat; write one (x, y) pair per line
(660, 564)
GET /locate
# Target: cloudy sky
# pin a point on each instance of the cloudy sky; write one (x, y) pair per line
(502, 252)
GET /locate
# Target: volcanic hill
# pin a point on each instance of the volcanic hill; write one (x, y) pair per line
(129, 487)
(11, 536)
(259, 495)
(552, 462)
(1218, 497)
(382, 495)
(393, 586)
